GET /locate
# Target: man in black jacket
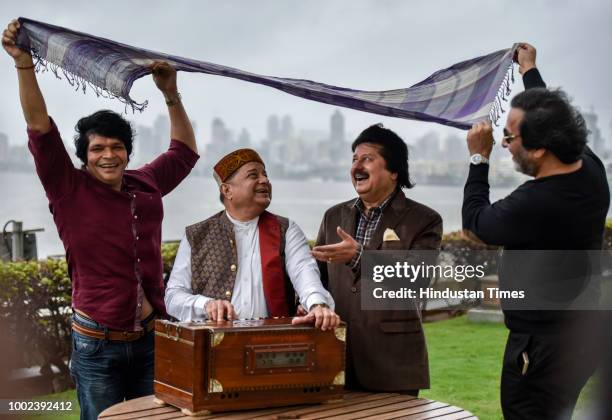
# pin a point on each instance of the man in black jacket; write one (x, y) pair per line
(549, 355)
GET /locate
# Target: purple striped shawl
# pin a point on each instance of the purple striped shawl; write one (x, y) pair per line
(459, 96)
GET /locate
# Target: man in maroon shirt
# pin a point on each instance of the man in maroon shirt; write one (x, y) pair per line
(109, 220)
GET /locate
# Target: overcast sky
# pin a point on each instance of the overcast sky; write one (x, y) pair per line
(372, 45)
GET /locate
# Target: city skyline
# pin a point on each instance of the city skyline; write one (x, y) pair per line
(294, 152)
(323, 41)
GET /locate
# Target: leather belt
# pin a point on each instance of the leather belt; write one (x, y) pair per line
(112, 334)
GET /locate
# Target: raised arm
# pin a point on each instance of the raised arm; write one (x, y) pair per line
(164, 76)
(32, 101)
(526, 59)
(504, 222)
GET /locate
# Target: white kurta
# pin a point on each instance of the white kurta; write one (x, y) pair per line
(248, 296)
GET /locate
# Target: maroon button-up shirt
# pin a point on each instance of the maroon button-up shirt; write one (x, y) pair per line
(112, 238)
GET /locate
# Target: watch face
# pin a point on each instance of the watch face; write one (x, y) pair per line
(476, 159)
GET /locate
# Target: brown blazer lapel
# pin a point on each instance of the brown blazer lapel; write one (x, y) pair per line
(392, 215)
(348, 220)
(348, 223)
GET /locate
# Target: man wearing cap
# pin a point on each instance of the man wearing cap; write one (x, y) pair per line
(245, 262)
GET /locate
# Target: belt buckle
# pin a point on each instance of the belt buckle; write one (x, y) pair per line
(133, 335)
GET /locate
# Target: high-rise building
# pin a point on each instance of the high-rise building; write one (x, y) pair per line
(337, 146)
(218, 144)
(287, 132)
(150, 142)
(161, 135)
(221, 142)
(273, 129)
(427, 146)
(244, 139)
(336, 127)
(219, 133)
(142, 150)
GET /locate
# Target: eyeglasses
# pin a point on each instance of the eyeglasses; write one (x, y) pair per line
(509, 137)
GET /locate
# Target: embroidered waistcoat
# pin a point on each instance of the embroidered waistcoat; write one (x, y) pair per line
(214, 260)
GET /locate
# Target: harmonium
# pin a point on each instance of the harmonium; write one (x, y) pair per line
(212, 366)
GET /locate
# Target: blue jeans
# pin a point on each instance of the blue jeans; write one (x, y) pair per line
(109, 372)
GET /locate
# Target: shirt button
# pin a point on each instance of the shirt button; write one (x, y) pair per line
(231, 242)
(134, 195)
(139, 305)
(135, 216)
(354, 289)
(138, 237)
(228, 293)
(138, 259)
(233, 267)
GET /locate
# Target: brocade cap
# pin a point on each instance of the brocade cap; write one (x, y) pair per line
(233, 161)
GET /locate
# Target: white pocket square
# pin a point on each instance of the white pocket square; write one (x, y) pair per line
(390, 235)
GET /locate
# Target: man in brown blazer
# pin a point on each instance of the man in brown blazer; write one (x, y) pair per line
(386, 348)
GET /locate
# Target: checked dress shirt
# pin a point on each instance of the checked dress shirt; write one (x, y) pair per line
(366, 226)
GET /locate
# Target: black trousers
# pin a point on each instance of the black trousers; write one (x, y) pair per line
(559, 367)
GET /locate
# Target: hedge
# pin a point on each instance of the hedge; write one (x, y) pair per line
(35, 307)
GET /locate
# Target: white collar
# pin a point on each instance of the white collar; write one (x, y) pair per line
(242, 225)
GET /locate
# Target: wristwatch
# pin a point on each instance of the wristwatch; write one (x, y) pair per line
(314, 305)
(477, 159)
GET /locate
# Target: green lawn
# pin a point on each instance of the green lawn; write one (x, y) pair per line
(61, 396)
(465, 365)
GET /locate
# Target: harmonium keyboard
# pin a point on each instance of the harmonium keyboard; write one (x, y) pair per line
(215, 366)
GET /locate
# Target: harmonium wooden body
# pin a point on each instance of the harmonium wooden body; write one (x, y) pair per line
(244, 364)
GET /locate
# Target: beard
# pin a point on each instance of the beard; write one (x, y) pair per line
(524, 164)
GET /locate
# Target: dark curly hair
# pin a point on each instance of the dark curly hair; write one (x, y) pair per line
(393, 150)
(104, 123)
(551, 122)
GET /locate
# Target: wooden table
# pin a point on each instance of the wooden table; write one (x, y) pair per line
(355, 405)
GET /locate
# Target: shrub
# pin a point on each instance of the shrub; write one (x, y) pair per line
(168, 254)
(35, 307)
(462, 246)
(35, 302)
